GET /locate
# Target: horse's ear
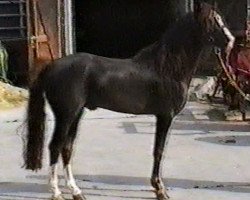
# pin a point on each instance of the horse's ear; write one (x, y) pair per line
(201, 10)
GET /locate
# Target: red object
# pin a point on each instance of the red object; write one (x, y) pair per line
(240, 60)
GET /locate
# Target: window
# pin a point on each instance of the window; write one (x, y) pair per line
(12, 19)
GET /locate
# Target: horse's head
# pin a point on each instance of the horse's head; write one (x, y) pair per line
(214, 29)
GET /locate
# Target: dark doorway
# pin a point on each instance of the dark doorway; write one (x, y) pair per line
(118, 28)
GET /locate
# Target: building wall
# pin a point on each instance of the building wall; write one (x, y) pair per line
(13, 34)
(118, 28)
(12, 19)
(112, 28)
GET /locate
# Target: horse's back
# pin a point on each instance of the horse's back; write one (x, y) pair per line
(120, 85)
(115, 84)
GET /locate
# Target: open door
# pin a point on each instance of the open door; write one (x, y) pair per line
(44, 32)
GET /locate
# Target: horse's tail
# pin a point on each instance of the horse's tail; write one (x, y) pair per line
(33, 150)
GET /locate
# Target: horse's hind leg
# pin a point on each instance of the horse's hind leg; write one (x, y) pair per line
(162, 126)
(54, 183)
(64, 120)
(66, 156)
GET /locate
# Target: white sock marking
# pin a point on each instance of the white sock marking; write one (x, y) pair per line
(70, 181)
(54, 181)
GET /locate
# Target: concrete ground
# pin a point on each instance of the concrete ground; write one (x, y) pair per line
(206, 158)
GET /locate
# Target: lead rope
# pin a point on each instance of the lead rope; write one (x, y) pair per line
(230, 78)
(229, 48)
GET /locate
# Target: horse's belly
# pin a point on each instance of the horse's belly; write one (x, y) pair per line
(127, 101)
(122, 103)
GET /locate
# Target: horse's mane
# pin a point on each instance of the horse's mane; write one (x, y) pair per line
(166, 54)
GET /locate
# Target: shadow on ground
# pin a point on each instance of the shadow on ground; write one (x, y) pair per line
(170, 182)
(114, 186)
(203, 126)
(240, 140)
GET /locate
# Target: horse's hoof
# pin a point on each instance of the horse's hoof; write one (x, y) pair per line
(60, 197)
(162, 195)
(79, 197)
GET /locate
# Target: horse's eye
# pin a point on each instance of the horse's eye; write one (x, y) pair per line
(211, 39)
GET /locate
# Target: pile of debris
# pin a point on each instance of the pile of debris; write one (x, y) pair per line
(11, 96)
(202, 88)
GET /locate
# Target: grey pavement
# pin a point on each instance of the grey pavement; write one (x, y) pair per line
(207, 158)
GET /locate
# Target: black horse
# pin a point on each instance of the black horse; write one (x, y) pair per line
(155, 81)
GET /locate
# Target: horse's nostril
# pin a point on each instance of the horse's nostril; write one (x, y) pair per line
(211, 39)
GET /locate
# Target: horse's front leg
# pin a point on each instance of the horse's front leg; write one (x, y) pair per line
(162, 126)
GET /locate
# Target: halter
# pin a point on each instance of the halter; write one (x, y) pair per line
(226, 67)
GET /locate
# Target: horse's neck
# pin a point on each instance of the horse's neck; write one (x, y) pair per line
(146, 55)
(176, 54)
(179, 62)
